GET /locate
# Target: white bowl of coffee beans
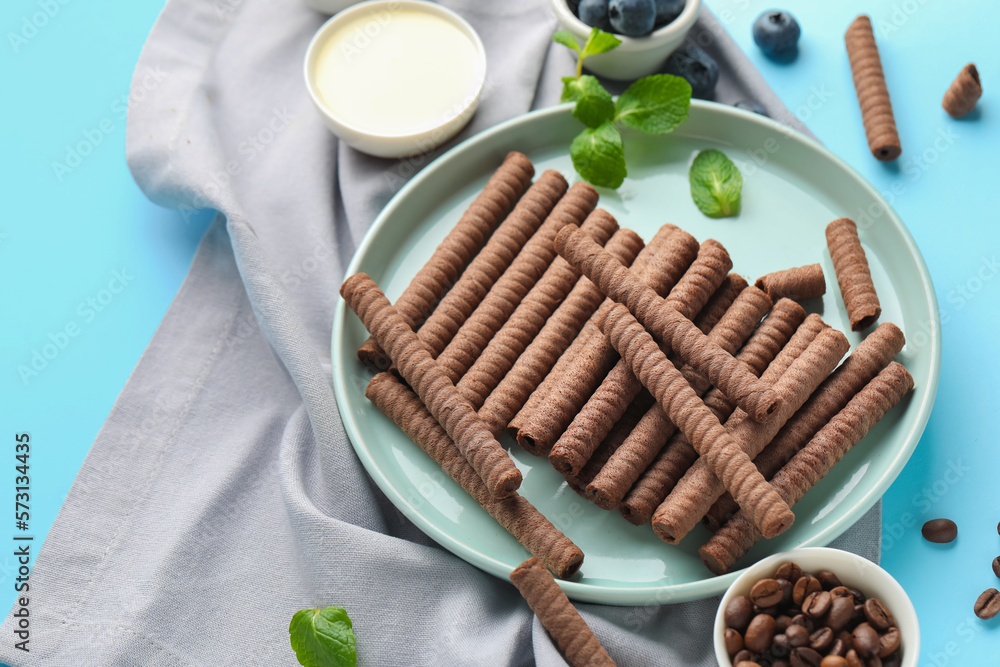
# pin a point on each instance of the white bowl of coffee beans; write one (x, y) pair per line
(816, 607)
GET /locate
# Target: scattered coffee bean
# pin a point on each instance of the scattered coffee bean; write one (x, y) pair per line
(866, 639)
(878, 615)
(821, 640)
(734, 641)
(804, 586)
(996, 566)
(828, 579)
(889, 643)
(738, 613)
(766, 593)
(998, 529)
(833, 661)
(988, 604)
(791, 571)
(816, 604)
(759, 633)
(940, 531)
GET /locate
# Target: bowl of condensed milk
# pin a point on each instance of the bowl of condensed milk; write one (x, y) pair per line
(393, 78)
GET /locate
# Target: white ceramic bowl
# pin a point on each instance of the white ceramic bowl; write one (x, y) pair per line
(392, 143)
(853, 571)
(330, 6)
(635, 56)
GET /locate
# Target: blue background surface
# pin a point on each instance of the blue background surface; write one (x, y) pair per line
(66, 232)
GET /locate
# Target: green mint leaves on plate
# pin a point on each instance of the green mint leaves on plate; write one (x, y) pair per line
(715, 184)
(323, 638)
(655, 104)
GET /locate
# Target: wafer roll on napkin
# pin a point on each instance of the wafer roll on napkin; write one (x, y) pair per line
(440, 396)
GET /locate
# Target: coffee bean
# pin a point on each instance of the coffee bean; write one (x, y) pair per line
(865, 640)
(804, 586)
(771, 611)
(873, 661)
(859, 597)
(998, 529)
(821, 640)
(828, 579)
(797, 636)
(996, 566)
(766, 593)
(739, 611)
(889, 643)
(853, 660)
(859, 614)
(816, 604)
(988, 604)
(760, 632)
(878, 615)
(841, 592)
(940, 531)
(804, 621)
(734, 641)
(791, 571)
(841, 611)
(806, 657)
(782, 622)
(779, 646)
(786, 592)
(839, 647)
(743, 656)
(833, 661)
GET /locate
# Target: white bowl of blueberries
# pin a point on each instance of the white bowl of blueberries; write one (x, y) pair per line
(650, 30)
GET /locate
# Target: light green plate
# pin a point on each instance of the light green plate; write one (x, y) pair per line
(792, 188)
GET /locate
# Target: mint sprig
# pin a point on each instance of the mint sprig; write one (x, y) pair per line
(716, 184)
(655, 104)
(323, 638)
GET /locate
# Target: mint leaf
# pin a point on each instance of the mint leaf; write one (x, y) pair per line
(655, 104)
(599, 42)
(599, 157)
(715, 184)
(566, 38)
(593, 103)
(323, 638)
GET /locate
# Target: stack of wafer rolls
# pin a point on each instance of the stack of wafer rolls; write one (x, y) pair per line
(700, 487)
(800, 283)
(619, 433)
(716, 446)
(518, 516)
(873, 95)
(421, 372)
(717, 306)
(558, 616)
(864, 363)
(505, 295)
(461, 244)
(492, 261)
(853, 273)
(631, 459)
(554, 338)
(814, 461)
(655, 429)
(557, 400)
(620, 387)
(673, 329)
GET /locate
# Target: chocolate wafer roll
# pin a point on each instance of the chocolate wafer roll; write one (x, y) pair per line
(963, 93)
(873, 95)
(800, 283)
(515, 513)
(813, 462)
(506, 294)
(492, 261)
(864, 363)
(558, 616)
(454, 253)
(611, 443)
(620, 387)
(717, 306)
(718, 449)
(700, 487)
(530, 315)
(668, 255)
(559, 331)
(673, 329)
(672, 462)
(853, 274)
(421, 372)
(615, 479)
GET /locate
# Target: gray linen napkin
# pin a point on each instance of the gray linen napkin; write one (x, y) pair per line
(222, 493)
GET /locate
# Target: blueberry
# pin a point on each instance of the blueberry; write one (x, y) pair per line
(777, 34)
(634, 18)
(594, 13)
(750, 105)
(668, 10)
(697, 67)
